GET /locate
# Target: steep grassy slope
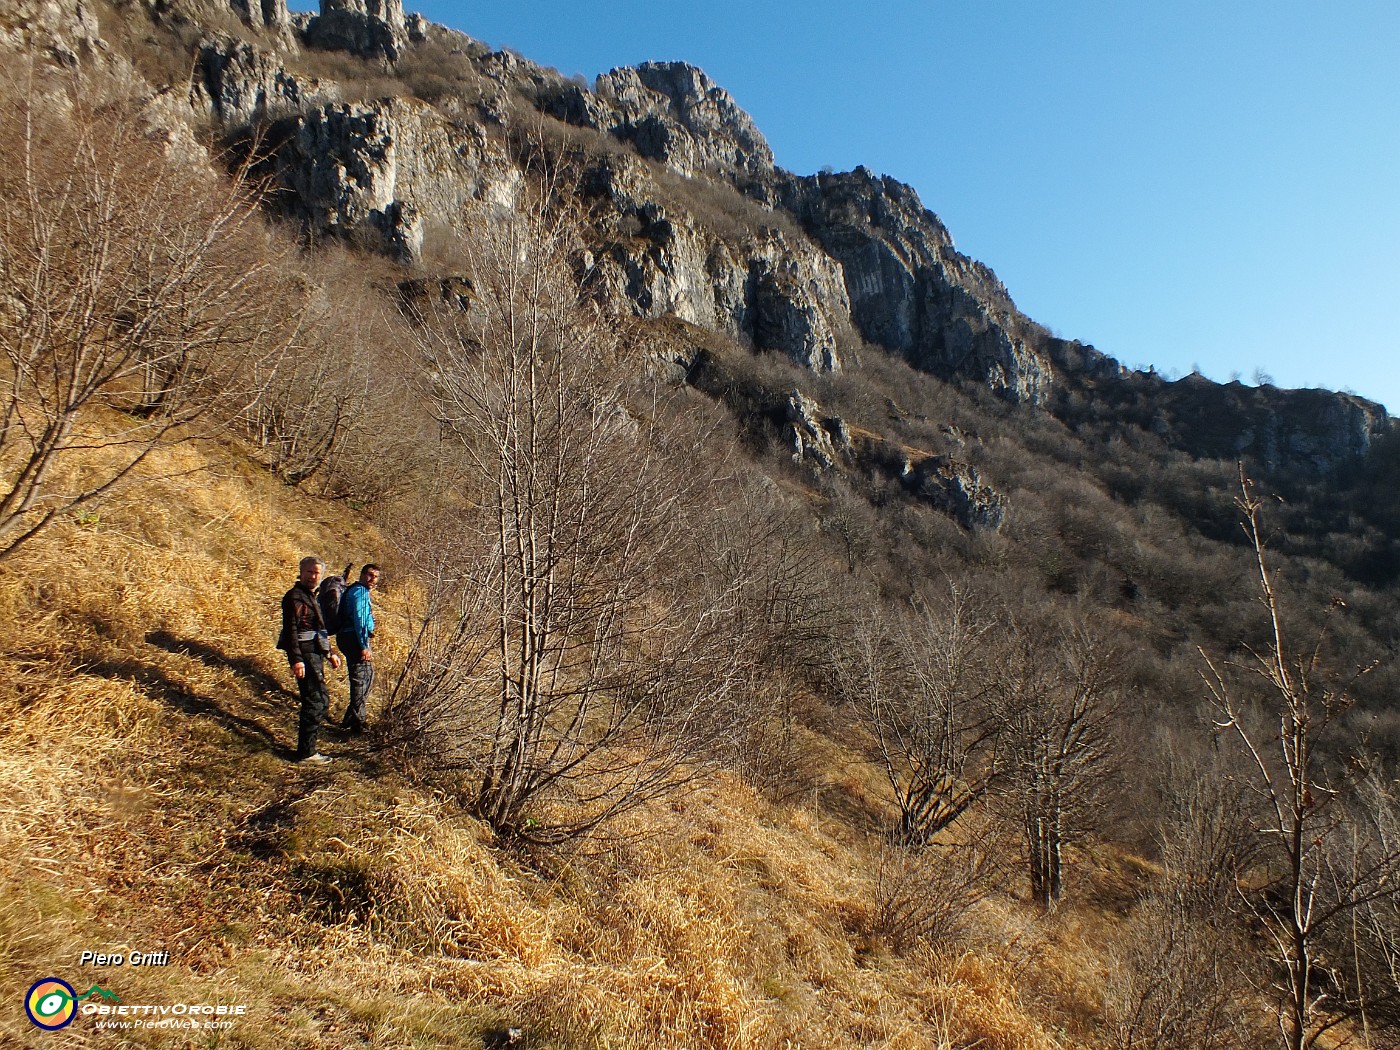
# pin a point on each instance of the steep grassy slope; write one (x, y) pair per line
(147, 803)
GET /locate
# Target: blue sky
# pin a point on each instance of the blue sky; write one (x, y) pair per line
(1178, 182)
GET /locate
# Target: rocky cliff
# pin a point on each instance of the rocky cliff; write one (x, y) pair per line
(695, 219)
(911, 292)
(63, 30)
(367, 28)
(691, 217)
(1291, 431)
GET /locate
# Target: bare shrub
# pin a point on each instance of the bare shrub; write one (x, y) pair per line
(139, 295)
(1362, 952)
(345, 411)
(924, 682)
(926, 895)
(1177, 982)
(1060, 699)
(785, 615)
(1183, 964)
(1207, 837)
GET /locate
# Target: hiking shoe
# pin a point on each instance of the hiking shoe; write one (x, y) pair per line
(317, 759)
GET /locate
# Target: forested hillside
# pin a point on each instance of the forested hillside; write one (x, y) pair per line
(784, 641)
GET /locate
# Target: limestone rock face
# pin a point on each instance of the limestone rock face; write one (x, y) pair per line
(823, 441)
(1314, 431)
(905, 288)
(239, 83)
(651, 262)
(342, 166)
(958, 491)
(380, 171)
(787, 313)
(368, 28)
(271, 14)
(670, 112)
(777, 292)
(63, 29)
(910, 291)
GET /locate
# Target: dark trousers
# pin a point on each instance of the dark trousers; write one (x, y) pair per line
(361, 681)
(314, 703)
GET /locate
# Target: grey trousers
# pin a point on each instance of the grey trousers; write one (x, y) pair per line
(361, 681)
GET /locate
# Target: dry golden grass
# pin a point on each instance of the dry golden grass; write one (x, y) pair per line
(147, 802)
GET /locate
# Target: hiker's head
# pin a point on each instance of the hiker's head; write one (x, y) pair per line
(310, 570)
(370, 574)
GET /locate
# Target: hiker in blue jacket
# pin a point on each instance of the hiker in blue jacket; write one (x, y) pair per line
(353, 633)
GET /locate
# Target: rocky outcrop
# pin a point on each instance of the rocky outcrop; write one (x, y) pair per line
(1270, 429)
(342, 166)
(368, 28)
(910, 291)
(906, 288)
(957, 490)
(1312, 431)
(822, 441)
(650, 264)
(380, 171)
(781, 295)
(827, 443)
(872, 260)
(669, 112)
(270, 14)
(877, 262)
(674, 113)
(787, 315)
(774, 291)
(64, 30)
(238, 84)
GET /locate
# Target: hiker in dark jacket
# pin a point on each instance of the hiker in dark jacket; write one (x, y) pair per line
(306, 642)
(353, 635)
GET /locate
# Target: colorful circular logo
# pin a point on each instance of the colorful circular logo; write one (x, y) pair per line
(51, 1004)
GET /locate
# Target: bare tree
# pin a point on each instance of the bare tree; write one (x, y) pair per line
(785, 614)
(1181, 970)
(138, 294)
(576, 661)
(1329, 861)
(1059, 705)
(925, 683)
(345, 411)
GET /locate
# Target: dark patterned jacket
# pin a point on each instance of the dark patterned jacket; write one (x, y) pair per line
(303, 630)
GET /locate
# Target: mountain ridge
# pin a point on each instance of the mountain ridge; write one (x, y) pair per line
(825, 258)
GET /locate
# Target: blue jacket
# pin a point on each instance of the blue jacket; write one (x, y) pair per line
(356, 620)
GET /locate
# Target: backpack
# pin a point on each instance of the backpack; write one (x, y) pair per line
(328, 595)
